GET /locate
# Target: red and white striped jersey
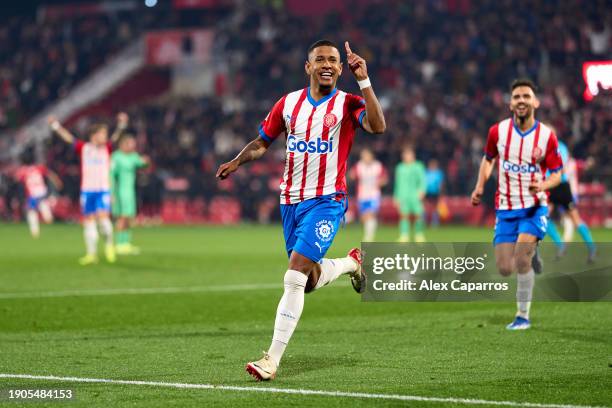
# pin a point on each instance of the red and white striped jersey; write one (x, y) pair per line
(368, 176)
(523, 157)
(319, 136)
(33, 179)
(95, 165)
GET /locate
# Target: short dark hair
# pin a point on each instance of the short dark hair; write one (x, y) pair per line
(322, 43)
(523, 82)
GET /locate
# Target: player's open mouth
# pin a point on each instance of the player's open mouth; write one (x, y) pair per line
(326, 75)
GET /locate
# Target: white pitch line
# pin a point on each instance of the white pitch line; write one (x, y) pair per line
(144, 291)
(342, 394)
(139, 291)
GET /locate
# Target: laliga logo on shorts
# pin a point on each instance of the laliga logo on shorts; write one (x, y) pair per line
(324, 230)
(516, 168)
(312, 146)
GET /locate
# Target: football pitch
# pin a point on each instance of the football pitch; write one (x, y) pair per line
(175, 326)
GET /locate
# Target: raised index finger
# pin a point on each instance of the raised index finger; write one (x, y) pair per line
(348, 48)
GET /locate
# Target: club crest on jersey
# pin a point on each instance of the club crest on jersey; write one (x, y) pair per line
(537, 154)
(312, 146)
(329, 120)
(324, 230)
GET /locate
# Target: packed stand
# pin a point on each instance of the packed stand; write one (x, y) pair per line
(442, 74)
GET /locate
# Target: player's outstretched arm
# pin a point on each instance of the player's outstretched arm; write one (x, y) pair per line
(252, 151)
(59, 130)
(122, 124)
(486, 168)
(374, 120)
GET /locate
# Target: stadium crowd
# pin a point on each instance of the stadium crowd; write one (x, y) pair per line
(441, 69)
(42, 56)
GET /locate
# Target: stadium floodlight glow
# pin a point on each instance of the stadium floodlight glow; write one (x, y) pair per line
(596, 74)
(150, 3)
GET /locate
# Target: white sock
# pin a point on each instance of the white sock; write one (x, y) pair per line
(32, 217)
(91, 237)
(331, 269)
(369, 229)
(288, 312)
(524, 291)
(568, 229)
(106, 226)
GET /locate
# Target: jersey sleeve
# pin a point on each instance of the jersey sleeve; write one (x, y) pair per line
(78, 146)
(43, 170)
(490, 150)
(356, 108)
(274, 124)
(552, 159)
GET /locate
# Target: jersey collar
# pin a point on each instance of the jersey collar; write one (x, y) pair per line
(323, 99)
(523, 134)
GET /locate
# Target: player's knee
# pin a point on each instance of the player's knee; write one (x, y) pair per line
(523, 263)
(505, 267)
(301, 266)
(299, 262)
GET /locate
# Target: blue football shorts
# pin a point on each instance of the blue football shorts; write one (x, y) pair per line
(509, 224)
(309, 227)
(93, 202)
(366, 206)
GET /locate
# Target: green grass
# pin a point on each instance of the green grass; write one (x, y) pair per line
(428, 349)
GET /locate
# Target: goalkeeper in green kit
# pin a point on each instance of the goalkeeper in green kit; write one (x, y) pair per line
(408, 193)
(124, 164)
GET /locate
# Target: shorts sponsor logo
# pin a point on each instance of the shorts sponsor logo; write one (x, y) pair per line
(324, 230)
